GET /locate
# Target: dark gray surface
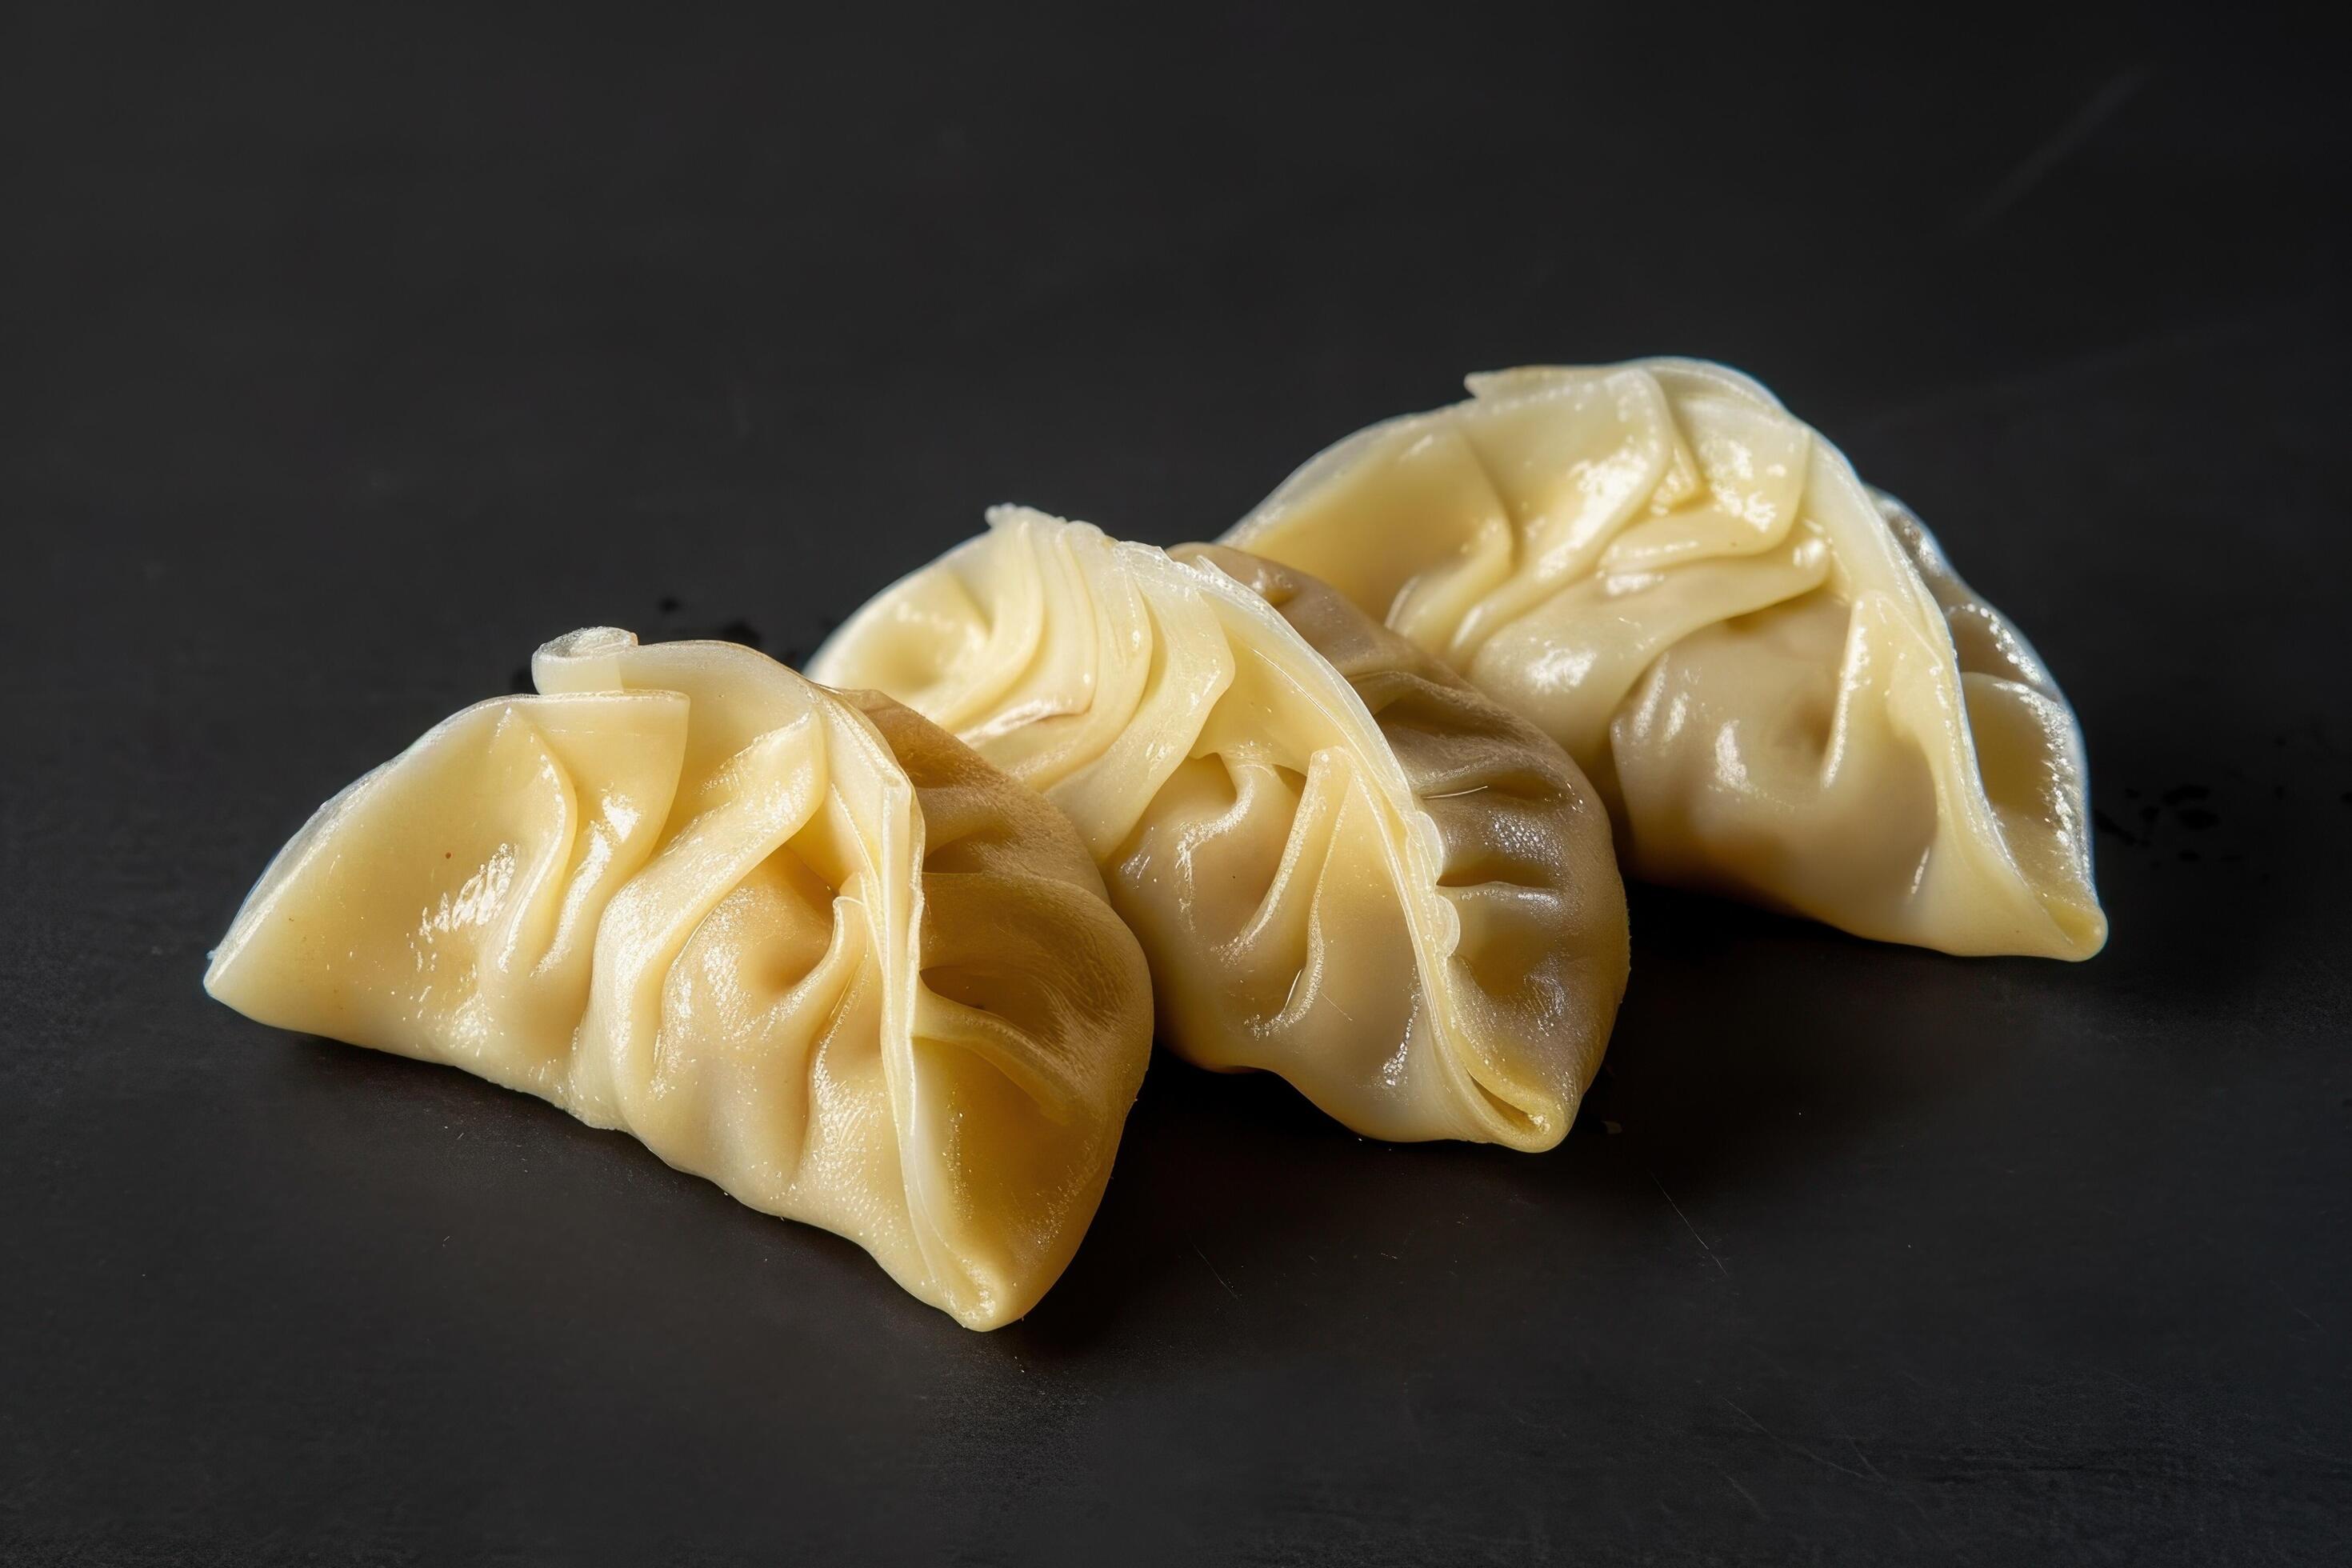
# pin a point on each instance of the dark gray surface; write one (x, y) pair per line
(344, 363)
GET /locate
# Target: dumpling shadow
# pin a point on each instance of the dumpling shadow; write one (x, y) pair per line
(1204, 1153)
(1747, 1044)
(574, 1215)
(1752, 1046)
(1210, 1165)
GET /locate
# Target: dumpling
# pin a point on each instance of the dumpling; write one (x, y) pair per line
(1346, 866)
(799, 942)
(1779, 686)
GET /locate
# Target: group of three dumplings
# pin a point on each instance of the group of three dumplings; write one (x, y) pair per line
(879, 949)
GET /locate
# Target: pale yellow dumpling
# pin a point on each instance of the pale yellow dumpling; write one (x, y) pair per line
(1344, 865)
(799, 942)
(1777, 681)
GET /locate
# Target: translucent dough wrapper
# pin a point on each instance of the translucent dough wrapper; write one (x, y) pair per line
(1778, 684)
(1346, 866)
(799, 942)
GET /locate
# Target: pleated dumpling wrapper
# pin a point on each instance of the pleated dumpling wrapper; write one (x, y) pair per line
(1346, 866)
(799, 942)
(1778, 684)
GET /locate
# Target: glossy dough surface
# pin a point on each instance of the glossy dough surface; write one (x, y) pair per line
(798, 942)
(1778, 684)
(1347, 867)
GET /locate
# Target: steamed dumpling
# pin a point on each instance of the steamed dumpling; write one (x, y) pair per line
(1346, 866)
(1777, 681)
(799, 942)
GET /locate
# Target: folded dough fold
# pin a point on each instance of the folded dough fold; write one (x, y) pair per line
(1778, 683)
(1344, 865)
(799, 942)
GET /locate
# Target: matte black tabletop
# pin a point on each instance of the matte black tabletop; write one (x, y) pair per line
(342, 361)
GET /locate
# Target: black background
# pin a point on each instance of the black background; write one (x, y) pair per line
(346, 359)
